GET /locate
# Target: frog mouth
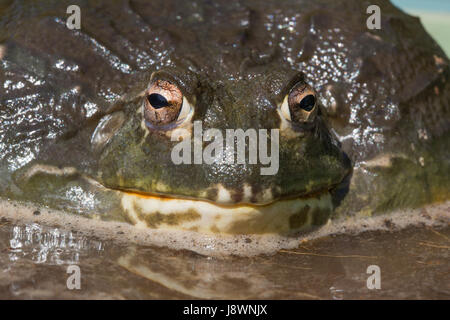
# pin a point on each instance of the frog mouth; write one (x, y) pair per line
(280, 217)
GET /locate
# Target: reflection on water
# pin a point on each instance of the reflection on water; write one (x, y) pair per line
(414, 264)
(51, 246)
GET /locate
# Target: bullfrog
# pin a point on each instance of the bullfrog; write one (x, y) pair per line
(219, 117)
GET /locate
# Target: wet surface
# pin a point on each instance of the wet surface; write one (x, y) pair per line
(414, 264)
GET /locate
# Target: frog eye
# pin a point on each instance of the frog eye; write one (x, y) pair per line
(300, 105)
(165, 106)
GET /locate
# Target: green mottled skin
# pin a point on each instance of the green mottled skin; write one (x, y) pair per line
(379, 91)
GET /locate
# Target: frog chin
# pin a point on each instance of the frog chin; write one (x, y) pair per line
(280, 217)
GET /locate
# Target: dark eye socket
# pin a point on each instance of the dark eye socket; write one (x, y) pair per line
(307, 103)
(157, 100)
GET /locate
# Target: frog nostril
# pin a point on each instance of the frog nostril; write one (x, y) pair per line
(307, 103)
(157, 101)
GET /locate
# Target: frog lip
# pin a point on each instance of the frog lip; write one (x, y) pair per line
(280, 216)
(169, 197)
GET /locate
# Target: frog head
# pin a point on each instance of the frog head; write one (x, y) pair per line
(244, 150)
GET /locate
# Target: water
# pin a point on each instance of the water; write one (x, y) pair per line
(414, 264)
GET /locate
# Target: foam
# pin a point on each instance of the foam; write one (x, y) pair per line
(221, 245)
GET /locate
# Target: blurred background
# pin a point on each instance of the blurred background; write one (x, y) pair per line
(435, 16)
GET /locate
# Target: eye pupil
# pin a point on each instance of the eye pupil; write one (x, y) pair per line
(157, 101)
(307, 103)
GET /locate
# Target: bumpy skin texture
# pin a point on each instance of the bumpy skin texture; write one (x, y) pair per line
(384, 94)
